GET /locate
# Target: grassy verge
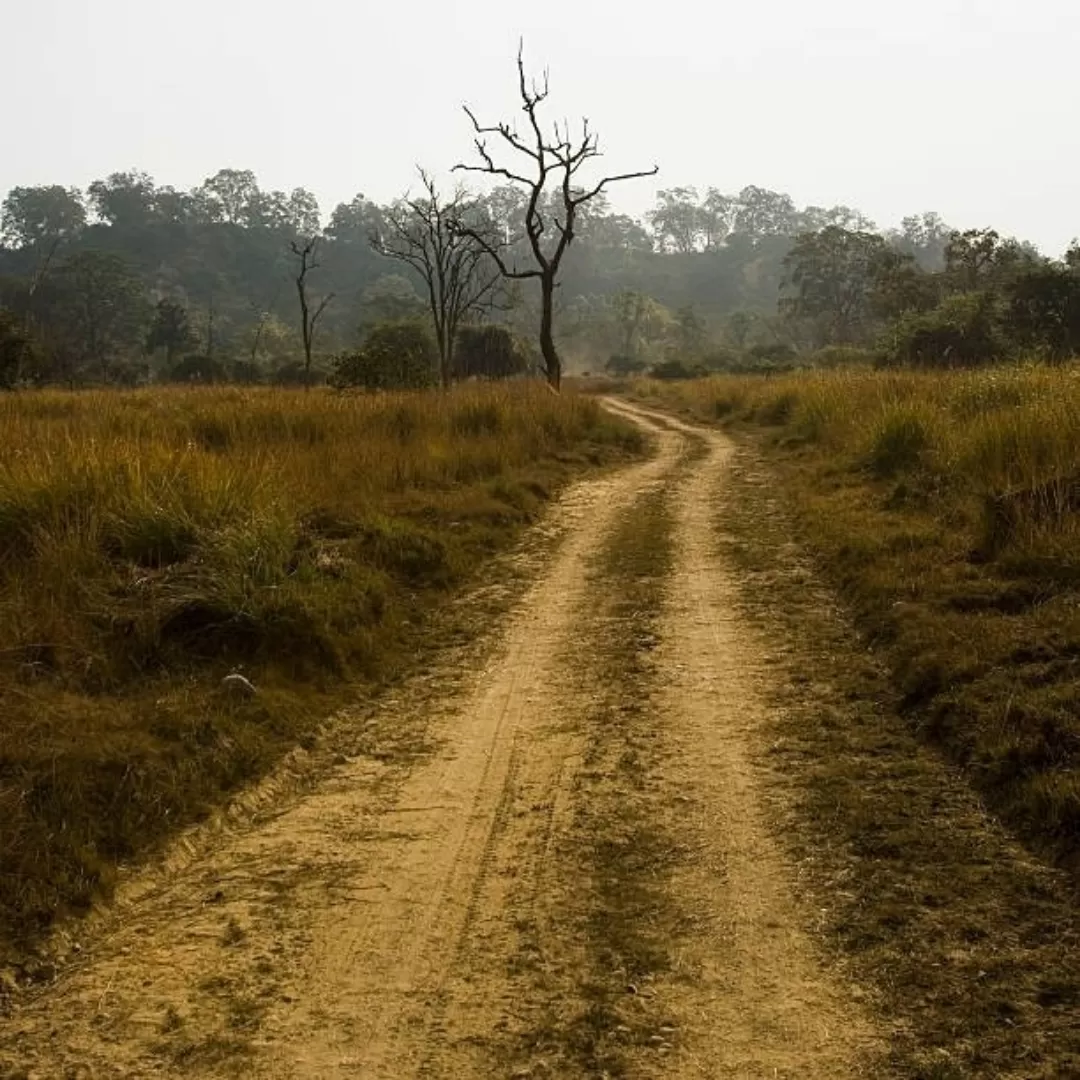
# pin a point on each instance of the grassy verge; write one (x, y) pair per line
(969, 946)
(153, 543)
(946, 507)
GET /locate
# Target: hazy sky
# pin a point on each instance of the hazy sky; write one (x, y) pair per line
(967, 107)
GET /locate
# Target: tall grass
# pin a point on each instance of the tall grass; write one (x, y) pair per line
(947, 508)
(152, 541)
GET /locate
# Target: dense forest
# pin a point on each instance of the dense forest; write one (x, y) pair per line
(130, 282)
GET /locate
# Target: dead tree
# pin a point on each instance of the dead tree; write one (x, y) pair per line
(306, 249)
(447, 242)
(557, 158)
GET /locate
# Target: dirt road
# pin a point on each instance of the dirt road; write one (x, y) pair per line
(560, 862)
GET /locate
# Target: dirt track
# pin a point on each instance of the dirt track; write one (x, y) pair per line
(420, 912)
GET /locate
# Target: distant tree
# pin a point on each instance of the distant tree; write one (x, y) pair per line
(1042, 310)
(170, 330)
(691, 335)
(924, 237)
(739, 326)
(677, 220)
(390, 298)
(716, 216)
(354, 222)
(977, 257)
(452, 247)
(230, 195)
(16, 348)
(902, 285)
(174, 207)
(104, 307)
(830, 279)
(306, 250)
(296, 213)
(557, 158)
(41, 217)
(302, 211)
(760, 212)
(124, 199)
(616, 232)
(816, 218)
(630, 309)
(640, 321)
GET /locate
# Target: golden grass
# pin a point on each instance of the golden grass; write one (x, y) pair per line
(947, 509)
(152, 541)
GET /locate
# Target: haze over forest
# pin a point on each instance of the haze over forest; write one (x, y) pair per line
(962, 106)
(822, 177)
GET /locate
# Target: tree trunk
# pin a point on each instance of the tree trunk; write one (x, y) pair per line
(442, 340)
(552, 366)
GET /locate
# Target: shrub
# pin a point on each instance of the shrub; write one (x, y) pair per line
(838, 356)
(620, 366)
(776, 356)
(961, 332)
(397, 355)
(675, 369)
(488, 352)
(899, 440)
(1043, 310)
(197, 369)
(16, 349)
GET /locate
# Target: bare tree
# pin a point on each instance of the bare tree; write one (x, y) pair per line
(557, 158)
(306, 249)
(449, 244)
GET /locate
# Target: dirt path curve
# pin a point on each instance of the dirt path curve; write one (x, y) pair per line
(377, 926)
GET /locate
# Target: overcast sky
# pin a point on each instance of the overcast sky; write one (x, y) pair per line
(967, 107)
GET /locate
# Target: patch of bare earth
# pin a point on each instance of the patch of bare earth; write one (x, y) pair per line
(560, 860)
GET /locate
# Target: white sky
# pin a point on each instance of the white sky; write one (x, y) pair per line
(967, 107)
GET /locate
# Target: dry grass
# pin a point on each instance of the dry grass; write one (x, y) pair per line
(966, 945)
(151, 542)
(947, 508)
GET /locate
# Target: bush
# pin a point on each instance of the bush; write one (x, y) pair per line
(621, 366)
(723, 358)
(293, 373)
(488, 352)
(197, 369)
(961, 332)
(16, 349)
(898, 443)
(775, 355)
(838, 356)
(676, 369)
(1043, 310)
(397, 355)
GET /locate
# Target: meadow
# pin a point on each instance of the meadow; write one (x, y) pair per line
(153, 542)
(946, 509)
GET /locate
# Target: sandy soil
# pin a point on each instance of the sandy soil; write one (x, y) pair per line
(406, 916)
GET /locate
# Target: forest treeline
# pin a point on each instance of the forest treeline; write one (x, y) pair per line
(130, 282)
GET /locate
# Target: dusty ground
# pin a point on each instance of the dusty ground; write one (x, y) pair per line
(556, 856)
